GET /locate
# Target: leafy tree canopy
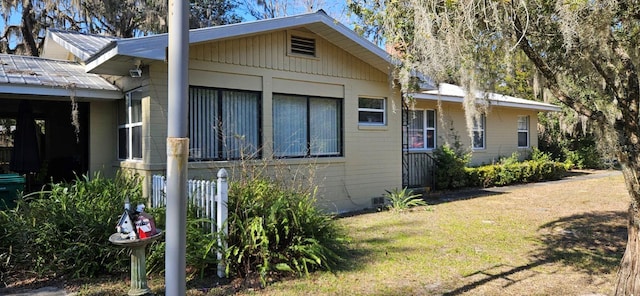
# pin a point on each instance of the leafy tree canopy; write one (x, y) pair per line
(121, 18)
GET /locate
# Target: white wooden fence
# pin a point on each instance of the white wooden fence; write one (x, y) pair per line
(210, 200)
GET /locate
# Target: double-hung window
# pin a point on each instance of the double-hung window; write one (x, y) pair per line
(479, 135)
(130, 126)
(523, 131)
(372, 111)
(223, 124)
(421, 129)
(306, 126)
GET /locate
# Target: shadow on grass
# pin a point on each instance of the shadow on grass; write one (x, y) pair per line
(464, 194)
(591, 242)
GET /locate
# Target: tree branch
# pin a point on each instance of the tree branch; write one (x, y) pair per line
(550, 76)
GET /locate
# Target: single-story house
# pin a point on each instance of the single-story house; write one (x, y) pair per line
(292, 92)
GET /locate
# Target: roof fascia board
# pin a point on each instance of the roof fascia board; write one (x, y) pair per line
(155, 46)
(101, 58)
(61, 92)
(525, 106)
(434, 97)
(492, 102)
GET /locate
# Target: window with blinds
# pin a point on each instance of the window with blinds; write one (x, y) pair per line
(223, 124)
(306, 126)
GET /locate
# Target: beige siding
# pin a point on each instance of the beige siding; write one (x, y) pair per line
(102, 137)
(270, 51)
(501, 131)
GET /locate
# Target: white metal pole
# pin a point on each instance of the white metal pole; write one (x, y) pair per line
(177, 148)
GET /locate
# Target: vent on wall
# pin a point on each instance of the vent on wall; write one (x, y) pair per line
(303, 46)
(377, 202)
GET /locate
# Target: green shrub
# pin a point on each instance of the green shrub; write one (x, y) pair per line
(584, 157)
(200, 249)
(273, 229)
(65, 230)
(514, 173)
(404, 199)
(450, 168)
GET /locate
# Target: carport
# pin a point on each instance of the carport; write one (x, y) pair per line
(62, 97)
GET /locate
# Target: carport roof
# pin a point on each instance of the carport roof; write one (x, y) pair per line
(37, 76)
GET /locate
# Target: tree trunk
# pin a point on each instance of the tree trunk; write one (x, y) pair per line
(628, 280)
(28, 24)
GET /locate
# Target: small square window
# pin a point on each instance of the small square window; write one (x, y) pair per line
(372, 111)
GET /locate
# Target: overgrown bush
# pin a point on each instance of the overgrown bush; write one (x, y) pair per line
(65, 230)
(450, 168)
(273, 229)
(584, 157)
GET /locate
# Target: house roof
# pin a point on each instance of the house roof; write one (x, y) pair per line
(84, 46)
(120, 55)
(38, 76)
(453, 93)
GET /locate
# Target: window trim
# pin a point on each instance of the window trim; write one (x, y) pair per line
(526, 131)
(129, 125)
(383, 111)
(308, 153)
(482, 129)
(425, 130)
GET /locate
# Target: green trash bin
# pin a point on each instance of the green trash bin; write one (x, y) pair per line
(10, 185)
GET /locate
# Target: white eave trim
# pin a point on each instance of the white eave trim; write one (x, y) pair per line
(493, 102)
(101, 58)
(61, 92)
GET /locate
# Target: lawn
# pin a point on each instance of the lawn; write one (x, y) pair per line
(561, 238)
(556, 238)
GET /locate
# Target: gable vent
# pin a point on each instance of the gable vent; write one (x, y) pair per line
(303, 46)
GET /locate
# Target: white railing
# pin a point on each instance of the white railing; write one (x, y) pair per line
(210, 200)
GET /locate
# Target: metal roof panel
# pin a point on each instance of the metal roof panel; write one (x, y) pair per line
(28, 71)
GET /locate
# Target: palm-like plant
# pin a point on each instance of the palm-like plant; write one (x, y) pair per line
(403, 199)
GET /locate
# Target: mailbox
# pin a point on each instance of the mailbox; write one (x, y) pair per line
(135, 224)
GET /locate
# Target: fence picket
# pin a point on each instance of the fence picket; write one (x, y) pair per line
(211, 202)
(200, 193)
